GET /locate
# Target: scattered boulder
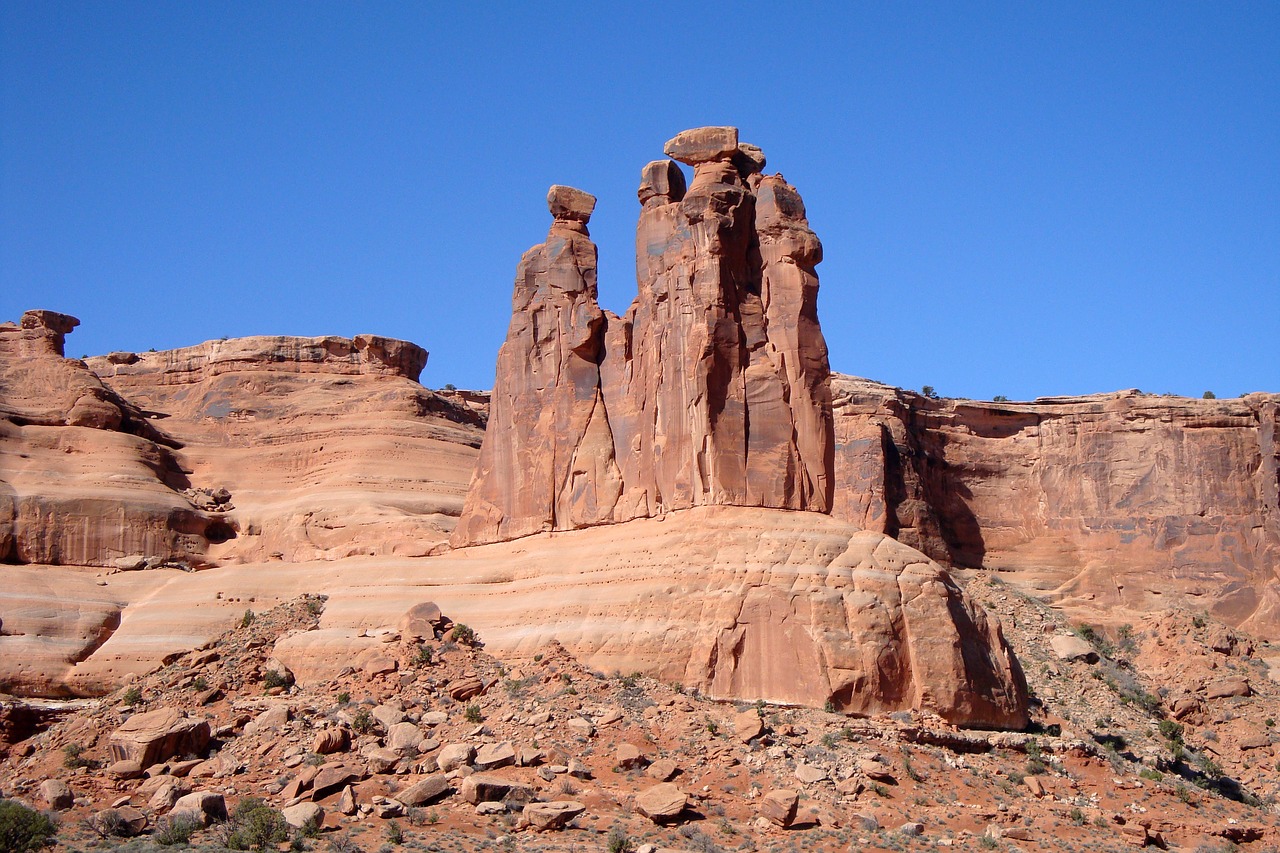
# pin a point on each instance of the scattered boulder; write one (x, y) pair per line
(779, 807)
(1227, 687)
(57, 794)
(424, 791)
(494, 755)
(1071, 647)
(462, 689)
(552, 815)
(454, 755)
(629, 757)
(329, 741)
(664, 770)
(205, 807)
(489, 787)
(151, 737)
(303, 814)
(662, 803)
(748, 726)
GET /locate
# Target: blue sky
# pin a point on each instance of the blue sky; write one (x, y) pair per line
(1024, 199)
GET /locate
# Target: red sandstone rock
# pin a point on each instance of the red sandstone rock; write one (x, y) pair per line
(153, 736)
(1119, 502)
(712, 389)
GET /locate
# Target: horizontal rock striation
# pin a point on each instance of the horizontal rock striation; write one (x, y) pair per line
(1113, 503)
(85, 479)
(328, 447)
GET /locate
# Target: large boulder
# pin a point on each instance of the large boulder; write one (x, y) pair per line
(151, 737)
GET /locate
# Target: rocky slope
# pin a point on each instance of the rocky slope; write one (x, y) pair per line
(444, 747)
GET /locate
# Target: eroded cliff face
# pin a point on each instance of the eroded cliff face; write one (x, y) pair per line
(711, 390)
(1109, 505)
(326, 447)
(85, 479)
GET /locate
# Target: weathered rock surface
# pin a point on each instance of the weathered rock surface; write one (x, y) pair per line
(1108, 505)
(327, 447)
(152, 737)
(85, 479)
(711, 390)
(662, 803)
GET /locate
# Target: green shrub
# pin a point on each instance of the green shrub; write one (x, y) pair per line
(473, 714)
(1171, 731)
(200, 683)
(273, 678)
(344, 697)
(394, 833)
(254, 825)
(176, 829)
(363, 722)
(423, 656)
(73, 757)
(247, 619)
(132, 696)
(23, 829)
(618, 841)
(464, 635)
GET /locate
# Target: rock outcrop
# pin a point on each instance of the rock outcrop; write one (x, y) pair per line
(85, 479)
(326, 447)
(711, 390)
(1109, 505)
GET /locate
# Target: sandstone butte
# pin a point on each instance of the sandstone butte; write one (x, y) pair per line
(679, 540)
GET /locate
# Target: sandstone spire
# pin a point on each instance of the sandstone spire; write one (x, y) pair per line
(547, 460)
(711, 390)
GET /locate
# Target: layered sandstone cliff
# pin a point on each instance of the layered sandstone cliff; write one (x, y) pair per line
(711, 390)
(85, 479)
(1115, 503)
(326, 447)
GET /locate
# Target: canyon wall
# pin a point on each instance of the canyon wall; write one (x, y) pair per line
(1113, 503)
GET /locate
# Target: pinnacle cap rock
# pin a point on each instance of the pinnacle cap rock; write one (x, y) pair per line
(702, 145)
(568, 203)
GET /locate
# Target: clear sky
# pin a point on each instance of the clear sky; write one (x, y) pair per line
(1024, 199)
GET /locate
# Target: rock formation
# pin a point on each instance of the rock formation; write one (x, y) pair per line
(85, 479)
(1110, 505)
(711, 390)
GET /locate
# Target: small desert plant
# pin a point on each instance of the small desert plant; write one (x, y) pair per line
(464, 635)
(132, 696)
(433, 817)
(176, 829)
(1171, 731)
(343, 844)
(254, 825)
(247, 619)
(343, 698)
(23, 829)
(109, 823)
(618, 841)
(423, 655)
(1077, 817)
(73, 757)
(1000, 398)
(200, 683)
(394, 833)
(473, 714)
(274, 678)
(363, 721)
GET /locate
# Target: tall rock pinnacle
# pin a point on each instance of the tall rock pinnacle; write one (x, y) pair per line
(711, 390)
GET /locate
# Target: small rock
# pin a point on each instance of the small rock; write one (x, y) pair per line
(809, 774)
(425, 791)
(1071, 647)
(205, 807)
(914, 829)
(629, 757)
